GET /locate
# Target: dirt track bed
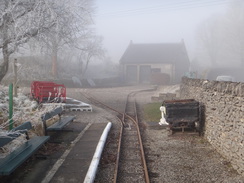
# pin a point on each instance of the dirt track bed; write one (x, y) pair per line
(171, 158)
(174, 158)
(185, 158)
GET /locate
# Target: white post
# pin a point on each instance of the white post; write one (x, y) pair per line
(90, 176)
(163, 112)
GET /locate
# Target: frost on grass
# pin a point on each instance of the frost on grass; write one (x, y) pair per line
(11, 146)
(24, 109)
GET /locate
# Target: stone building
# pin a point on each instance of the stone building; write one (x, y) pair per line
(156, 63)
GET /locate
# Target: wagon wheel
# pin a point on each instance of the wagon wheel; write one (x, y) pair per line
(197, 126)
(170, 129)
(200, 122)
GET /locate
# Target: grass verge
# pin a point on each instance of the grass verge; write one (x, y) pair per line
(151, 112)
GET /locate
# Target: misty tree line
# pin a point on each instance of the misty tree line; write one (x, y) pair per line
(54, 28)
(221, 37)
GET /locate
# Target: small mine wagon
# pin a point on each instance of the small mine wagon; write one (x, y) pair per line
(183, 114)
(45, 91)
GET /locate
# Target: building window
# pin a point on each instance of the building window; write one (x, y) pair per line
(156, 70)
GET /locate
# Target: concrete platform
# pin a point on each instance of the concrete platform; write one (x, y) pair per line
(75, 162)
(76, 105)
(72, 105)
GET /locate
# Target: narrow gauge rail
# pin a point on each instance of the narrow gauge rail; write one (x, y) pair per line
(130, 162)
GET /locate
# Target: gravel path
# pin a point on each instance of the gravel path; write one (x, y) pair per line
(177, 158)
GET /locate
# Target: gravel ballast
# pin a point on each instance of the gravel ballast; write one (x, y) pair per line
(177, 158)
(171, 158)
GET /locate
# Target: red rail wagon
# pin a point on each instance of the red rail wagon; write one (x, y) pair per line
(45, 91)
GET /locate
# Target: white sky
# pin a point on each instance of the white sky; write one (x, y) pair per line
(152, 21)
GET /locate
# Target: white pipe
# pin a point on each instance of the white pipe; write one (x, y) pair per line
(90, 175)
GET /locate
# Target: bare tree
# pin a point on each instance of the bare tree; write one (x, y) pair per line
(209, 37)
(19, 21)
(222, 37)
(234, 29)
(73, 20)
(91, 49)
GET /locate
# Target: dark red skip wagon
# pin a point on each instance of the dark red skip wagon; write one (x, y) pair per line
(45, 91)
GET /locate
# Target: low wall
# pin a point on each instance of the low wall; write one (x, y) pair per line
(224, 116)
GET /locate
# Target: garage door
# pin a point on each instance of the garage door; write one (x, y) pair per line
(145, 74)
(131, 74)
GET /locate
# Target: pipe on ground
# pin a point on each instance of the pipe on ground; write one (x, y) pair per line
(91, 173)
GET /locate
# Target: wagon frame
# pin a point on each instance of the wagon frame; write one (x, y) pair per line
(183, 114)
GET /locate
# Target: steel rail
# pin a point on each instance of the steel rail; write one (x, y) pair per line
(136, 122)
(118, 151)
(142, 149)
(89, 97)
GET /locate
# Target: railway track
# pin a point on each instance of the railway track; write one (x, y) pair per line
(130, 165)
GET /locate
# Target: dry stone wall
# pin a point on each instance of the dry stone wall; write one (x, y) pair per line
(224, 115)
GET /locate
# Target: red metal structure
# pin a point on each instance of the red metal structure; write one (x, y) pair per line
(45, 91)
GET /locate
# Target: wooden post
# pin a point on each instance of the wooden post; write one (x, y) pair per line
(10, 93)
(15, 77)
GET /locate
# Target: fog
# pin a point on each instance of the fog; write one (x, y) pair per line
(206, 34)
(154, 21)
(210, 29)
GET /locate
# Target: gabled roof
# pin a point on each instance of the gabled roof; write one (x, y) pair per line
(155, 53)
